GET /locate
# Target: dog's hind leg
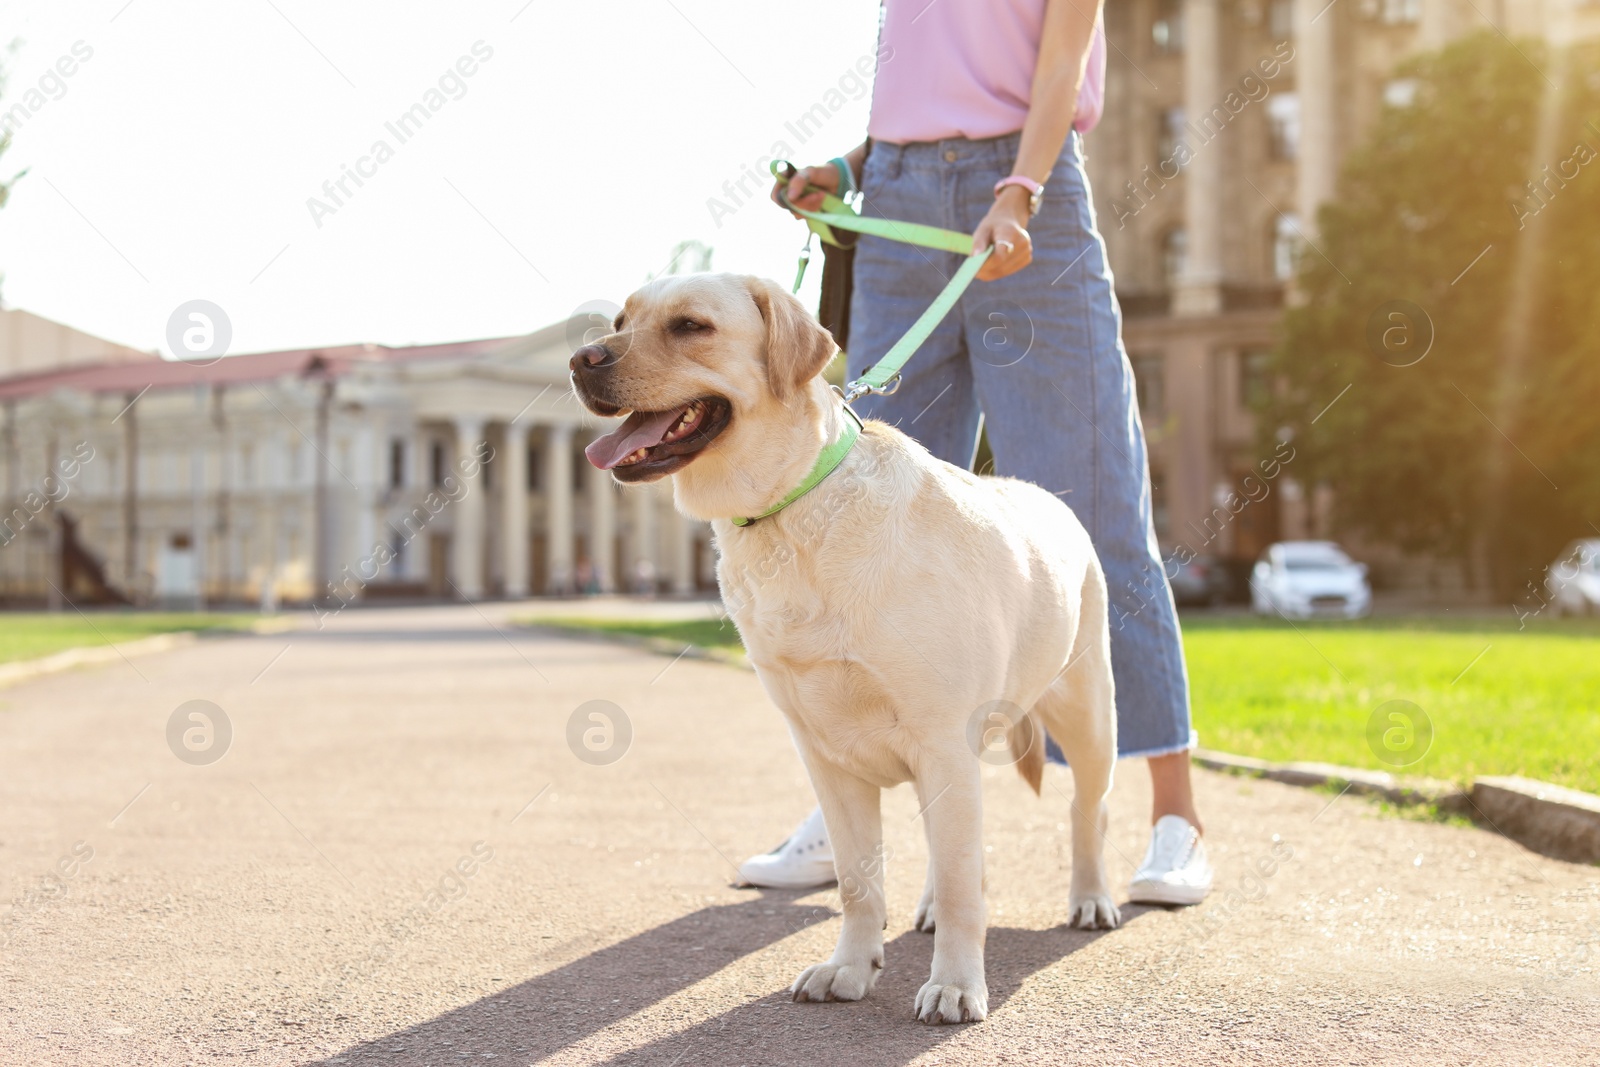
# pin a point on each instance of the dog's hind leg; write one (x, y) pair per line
(1079, 710)
(850, 807)
(1025, 737)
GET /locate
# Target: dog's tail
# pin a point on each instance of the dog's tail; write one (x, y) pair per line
(1026, 738)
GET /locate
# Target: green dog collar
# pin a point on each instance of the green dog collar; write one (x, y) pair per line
(826, 464)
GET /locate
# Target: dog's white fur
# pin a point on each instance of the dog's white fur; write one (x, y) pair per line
(886, 613)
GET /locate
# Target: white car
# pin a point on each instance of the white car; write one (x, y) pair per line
(1309, 580)
(1574, 579)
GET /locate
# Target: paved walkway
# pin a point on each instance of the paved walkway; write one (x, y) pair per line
(400, 860)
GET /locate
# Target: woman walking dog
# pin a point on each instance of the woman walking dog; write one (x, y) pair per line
(977, 125)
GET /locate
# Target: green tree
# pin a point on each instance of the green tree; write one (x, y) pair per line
(1471, 424)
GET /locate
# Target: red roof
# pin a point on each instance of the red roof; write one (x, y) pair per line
(138, 375)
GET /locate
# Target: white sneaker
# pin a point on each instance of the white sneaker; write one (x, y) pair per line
(805, 861)
(1175, 870)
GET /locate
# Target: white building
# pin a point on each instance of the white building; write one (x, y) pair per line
(325, 475)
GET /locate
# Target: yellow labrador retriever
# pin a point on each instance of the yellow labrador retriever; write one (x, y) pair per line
(898, 614)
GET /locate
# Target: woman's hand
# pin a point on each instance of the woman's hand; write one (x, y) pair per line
(825, 177)
(1005, 227)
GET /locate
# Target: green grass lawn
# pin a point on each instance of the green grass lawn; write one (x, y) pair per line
(1499, 700)
(707, 633)
(31, 635)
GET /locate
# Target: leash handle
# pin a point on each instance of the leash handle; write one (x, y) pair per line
(784, 171)
(837, 213)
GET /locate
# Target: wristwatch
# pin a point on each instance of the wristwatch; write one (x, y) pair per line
(1035, 190)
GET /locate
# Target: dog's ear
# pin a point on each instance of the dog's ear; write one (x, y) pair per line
(798, 348)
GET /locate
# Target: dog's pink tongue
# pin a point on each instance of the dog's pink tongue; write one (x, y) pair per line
(639, 430)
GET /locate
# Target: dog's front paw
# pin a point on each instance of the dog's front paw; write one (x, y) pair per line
(967, 1002)
(1093, 911)
(836, 981)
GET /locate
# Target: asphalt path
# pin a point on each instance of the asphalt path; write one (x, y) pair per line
(405, 840)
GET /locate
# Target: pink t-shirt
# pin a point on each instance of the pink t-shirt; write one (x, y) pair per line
(964, 68)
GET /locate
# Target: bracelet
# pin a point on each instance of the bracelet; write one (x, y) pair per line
(1035, 190)
(847, 177)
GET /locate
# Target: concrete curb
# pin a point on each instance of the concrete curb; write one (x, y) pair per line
(1549, 819)
(1399, 790)
(70, 658)
(67, 659)
(1559, 822)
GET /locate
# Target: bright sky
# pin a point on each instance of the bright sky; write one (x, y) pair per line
(175, 162)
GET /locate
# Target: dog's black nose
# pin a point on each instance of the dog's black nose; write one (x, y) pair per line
(592, 356)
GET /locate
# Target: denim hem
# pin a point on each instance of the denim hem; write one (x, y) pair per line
(1188, 746)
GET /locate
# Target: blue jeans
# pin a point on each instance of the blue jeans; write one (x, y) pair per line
(1037, 357)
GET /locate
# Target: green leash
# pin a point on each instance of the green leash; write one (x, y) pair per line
(884, 376)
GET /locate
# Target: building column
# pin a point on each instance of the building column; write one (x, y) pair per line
(683, 556)
(558, 507)
(603, 528)
(514, 510)
(1190, 477)
(371, 476)
(198, 533)
(644, 563)
(1200, 284)
(1316, 170)
(419, 480)
(466, 543)
(130, 498)
(50, 517)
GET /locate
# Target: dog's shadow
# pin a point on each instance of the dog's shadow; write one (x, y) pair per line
(542, 1016)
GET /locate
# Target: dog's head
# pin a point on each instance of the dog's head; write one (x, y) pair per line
(703, 360)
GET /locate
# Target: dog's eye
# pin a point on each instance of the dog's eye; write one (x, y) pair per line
(616, 324)
(688, 325)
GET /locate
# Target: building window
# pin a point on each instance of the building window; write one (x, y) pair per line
(1280, 20)
(397, 464)
(1401, 12)
(1285, 246)
(1283, 125)
(1166, 33)
(1174, 251)
(1253, 378)
(247, 466)
(1169, 133)
(1149, 381)
(534, 459)
(436, 464)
